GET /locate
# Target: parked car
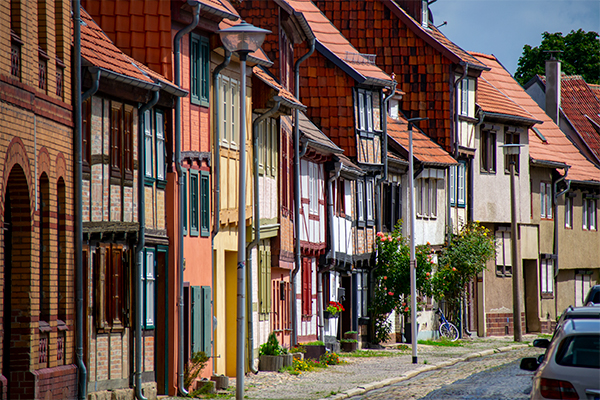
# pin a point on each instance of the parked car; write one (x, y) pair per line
(593, 296)
(570, 369)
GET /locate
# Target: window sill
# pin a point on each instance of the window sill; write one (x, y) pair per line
(161, 184)
(149, 181)
(486, 172)
(547, 295)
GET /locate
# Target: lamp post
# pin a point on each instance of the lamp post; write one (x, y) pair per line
(413, 256)
(512, 150)
(242, 39)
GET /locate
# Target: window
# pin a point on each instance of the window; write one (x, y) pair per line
(583, 283)
(264, 279)
(230, 111)
(108, 267)
(464, 96)
(547, 274)
(116, 120)
(204, 203)
(86, 135)
(128, 144)
(365, 110)
(568, 211)
(341, 198)
(267, 147)
(580, 351)
(452, 184)
(149, 165)
(148, 277)
(503, 253)
(306, 287)
(362, 293)
(194, 216)
(286, 60)
(460, 183)
(369, 196)
(511, 138)
(360, 193)
(589, 214)
(200, 70)
(426, 197)
(161, 164)
(546, 200)
(392, 205)
(313, 182)
(488, 152)
(184, 189)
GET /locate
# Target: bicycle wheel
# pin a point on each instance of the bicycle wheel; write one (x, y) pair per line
(449, 331)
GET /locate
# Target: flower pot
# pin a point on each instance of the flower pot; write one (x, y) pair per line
(314, 352)
(206, 386)
(288, 359)
(270, 363)
(298, 356)
(221, 381)
(349, 346)
(351, 336)
(329, 315)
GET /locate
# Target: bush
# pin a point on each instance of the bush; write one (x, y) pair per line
(330, 359)
(271, 347)
(194, 367)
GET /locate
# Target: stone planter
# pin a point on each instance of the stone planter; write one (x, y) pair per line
(349, 346)
(206, 386)
(270, 363)
(221, 381)
(351, 336)
(314, 352)
(288, 359)
(298, 356)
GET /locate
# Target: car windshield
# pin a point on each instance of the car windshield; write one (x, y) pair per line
(579, 351)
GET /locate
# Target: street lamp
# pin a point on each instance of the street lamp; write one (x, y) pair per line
(243, 39)
(413, 256)
(513, 151)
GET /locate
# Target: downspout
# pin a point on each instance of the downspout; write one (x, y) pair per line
(297, 191)
(385, 151)
(555, 210)
(254, 243)
(79, 284)
(217, 185)
(141, 242)
(95, 72)
(336, 175)
(455, 133)
(177, 66)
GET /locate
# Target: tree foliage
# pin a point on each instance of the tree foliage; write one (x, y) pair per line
(461, 262)
(392, 278)
(581, 56)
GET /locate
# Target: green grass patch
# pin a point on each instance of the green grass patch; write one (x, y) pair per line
(443, 342)
(544, 335)
(372, 353)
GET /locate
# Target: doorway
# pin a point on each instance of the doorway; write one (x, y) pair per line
(532, 310)
(230, 312)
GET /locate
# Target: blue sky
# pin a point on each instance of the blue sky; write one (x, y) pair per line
(503, 27)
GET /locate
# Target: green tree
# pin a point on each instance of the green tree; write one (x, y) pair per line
(581, 56)
(460, 262)
(392, 278)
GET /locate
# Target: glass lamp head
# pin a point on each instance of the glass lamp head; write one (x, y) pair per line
(243, 37)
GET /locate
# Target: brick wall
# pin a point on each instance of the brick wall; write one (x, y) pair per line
(501, 324)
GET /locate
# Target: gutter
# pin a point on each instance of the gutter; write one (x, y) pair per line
(177, 50)
(79, 283)
(141, 243)
(217, 186)
(311, 49)
(256, 219)
(117, 77)
(95, 84)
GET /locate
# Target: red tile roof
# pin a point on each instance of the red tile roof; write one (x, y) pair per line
(283, 92)
(333, 42)
(434, 37)
(581, 107)
(99, 50)
(557, 147)
(424, 149)
(491, 100)
(595, 89)
(222, 8)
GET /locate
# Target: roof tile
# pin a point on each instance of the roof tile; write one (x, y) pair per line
(557, 147)
(283, 92)
(492, 100)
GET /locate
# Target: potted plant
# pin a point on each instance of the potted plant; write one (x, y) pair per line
(273, 357)
(314, 350)
(349, 345)
(333, 309)
(351, 335)
(297, 352)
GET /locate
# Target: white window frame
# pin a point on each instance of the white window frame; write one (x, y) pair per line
(583, 283)
(503, 252)
(149, 165)
(547, 276)
(312, 188)
(234, 133)
(568, 212)
(432, 198)
(452, 184)
(369, 200)
(545, 200)
(360, 193)
(369, 110)
(148, 278)
(464, 97)
(361, 111)
(592, 215)
(460, 184)
(160, 146)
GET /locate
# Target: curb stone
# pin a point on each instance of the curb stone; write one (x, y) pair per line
(406, 376)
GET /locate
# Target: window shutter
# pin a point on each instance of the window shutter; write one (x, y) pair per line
(262, 301)
(274, 148)
(196, 319)
(184, 188)
(195, 68)
(206, 319)
(204, 69)
(100, 270)
(204, 204)
(261, 147)
(116, 293)
(549, 200)
(160, 146)
(268, 280)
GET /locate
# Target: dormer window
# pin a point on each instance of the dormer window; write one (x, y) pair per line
(366, 103)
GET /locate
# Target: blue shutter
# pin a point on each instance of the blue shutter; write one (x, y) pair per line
(196, 319)
(206, 319)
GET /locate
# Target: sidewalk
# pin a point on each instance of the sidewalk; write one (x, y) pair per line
(359, 375)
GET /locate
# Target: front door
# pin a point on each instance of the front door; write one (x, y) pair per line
(532, 313)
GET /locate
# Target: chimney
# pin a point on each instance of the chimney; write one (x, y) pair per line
(418, 9)
(424, 14)
(553, 87)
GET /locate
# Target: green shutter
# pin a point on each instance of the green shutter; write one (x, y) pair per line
(194, 203)
(196, 319)
(205, 70)
(204, 204)
(194, 68)
(268, 280)
(184, 216)
(206, 319)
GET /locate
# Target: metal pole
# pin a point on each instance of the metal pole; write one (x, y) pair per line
(241, 267)
(413, 258)
(516, 275)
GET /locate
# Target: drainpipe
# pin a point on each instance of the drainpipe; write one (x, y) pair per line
(217, 185)
(311, 49)
(336, 175)
(256, 219)
(555, 210)
(177, 50)
(141, 243)
(385, 150)
(95, 84)
(79, 284)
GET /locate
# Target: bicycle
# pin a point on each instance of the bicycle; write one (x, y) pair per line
(447, 328)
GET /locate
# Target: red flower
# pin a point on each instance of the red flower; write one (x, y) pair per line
(453, 269)
(385, 277)
(391, 293)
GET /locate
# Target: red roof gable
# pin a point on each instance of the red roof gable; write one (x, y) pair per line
(334, 42)
(424, 149)
(491, 100)
(557, 147)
